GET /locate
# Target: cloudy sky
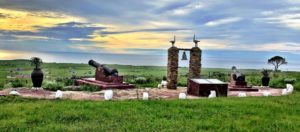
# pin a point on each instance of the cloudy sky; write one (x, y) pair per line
(145, 27)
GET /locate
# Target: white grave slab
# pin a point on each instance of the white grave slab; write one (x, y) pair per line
(145, 96)
(212, 94)
(182, 96)
(58, 94)
(108, 94)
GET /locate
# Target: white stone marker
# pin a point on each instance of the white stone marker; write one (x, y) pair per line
(164, 83)
(182, 96)
(242, 94)
(284, 92)
(212, 94)
(59, 94)
(145, 96)
(14, 92)
(289, 88)
(108, 94)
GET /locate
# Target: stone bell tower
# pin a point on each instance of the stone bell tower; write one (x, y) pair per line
(194, 65)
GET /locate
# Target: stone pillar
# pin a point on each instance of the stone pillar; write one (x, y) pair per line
(195, 62)
(172, 67)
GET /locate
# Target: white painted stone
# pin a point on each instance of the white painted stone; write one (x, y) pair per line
(145, 96)
(59, 94)
(242, 94)
(289, 88)
(108, 94)
(212, 94)
(266, 93)
(182, 96)
(164, 83)
(284, 92)
(14, 92)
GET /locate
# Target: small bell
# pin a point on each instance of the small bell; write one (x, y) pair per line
(184, 56)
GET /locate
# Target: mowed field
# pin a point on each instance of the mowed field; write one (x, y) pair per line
(266, 114)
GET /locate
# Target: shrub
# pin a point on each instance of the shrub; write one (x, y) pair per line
(58, 79)
(290, 80)
(8, 85)
(17, 83)
(91, 88)
(52, 85)
(140, 80)
(68, 81)
(164, 78)
(297, 86)
(1, 85)
(277, 83)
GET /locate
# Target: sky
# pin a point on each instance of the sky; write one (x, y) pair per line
(146, 27)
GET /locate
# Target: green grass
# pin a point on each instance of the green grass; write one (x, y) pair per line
(219, 114)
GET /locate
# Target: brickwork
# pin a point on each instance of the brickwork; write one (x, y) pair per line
(195, 62)
(172, 67)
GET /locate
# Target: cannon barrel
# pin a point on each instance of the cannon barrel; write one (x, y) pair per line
(108, 71)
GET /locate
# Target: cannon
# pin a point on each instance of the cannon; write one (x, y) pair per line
(105, 78)
(107, 71)
(237, 79)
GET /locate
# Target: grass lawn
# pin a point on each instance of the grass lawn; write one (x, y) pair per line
(218, 114)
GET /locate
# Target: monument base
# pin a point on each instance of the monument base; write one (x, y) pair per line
(103, 85)
(202, 87)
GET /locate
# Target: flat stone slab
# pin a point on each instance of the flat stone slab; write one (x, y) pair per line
(128, 94)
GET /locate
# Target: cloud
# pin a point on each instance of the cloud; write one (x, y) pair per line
(138, 24)
(146, 30)
(280, 47)
(223, 21)
(26, 21)
(188, 8)
(31, 37)
(288, 20)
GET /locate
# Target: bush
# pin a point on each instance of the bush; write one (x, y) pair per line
(1, 86)
(277, 83)
(52, 85)
(8, 85)
(68, 81)
(140, 80)
(91, 88)
(297, 86)
(17, 83)
(58, 79)
(290, 80)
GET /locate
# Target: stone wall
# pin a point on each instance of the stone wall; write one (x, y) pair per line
(195, 62)
(172, 67)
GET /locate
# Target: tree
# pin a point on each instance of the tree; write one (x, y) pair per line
(35, 61)
(277, 61)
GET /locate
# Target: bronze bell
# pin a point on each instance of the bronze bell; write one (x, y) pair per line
(184, 56)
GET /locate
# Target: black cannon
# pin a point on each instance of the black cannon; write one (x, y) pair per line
(236, 75)
(107, 71)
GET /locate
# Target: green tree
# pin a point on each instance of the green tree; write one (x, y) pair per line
(35, 61)
(277, 61)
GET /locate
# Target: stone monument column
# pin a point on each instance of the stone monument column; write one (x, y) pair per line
(172, 67)
(195, 62)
